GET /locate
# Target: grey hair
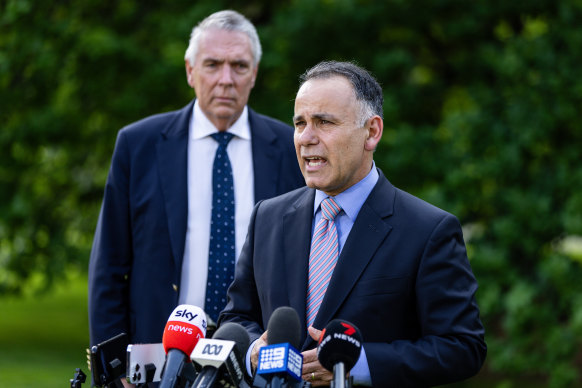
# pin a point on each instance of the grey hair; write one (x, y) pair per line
(224, 20)
(366, 89)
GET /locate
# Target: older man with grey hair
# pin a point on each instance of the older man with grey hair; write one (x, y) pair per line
(181, 189)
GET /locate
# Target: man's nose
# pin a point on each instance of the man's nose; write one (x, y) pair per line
(226, 75)
(308, 136)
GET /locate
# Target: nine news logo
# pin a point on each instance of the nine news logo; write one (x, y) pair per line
(280, 358)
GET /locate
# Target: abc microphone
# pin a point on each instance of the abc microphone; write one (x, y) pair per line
(280, 362)
(186, 325)
(339, 348)
(221, 357)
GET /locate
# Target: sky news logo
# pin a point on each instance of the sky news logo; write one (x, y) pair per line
(192, 315)
(179, 328)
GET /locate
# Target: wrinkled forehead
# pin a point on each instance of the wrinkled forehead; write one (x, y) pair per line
(224, 45)
(325, 96)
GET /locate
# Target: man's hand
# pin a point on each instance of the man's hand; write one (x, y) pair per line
(262, 341)
(126, 384)
(313, 372)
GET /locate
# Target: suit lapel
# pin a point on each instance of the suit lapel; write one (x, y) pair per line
(265, 157)
(368, 232)
(296, 244)
(172, 154)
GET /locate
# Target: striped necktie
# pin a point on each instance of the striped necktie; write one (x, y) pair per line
(323, 257)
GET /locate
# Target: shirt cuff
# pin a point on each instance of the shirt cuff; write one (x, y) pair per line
(361, 371)
(248, 358)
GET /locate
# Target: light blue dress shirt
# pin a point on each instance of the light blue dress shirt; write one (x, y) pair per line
(351, 201)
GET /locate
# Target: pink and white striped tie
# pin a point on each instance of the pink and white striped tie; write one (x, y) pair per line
(323, 257)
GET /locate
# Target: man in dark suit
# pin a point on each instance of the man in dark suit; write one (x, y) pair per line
(152, 244)
(353, 246)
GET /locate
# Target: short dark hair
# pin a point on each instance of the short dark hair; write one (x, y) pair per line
(367, 90)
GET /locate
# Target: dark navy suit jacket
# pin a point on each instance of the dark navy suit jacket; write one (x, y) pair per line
(136, 260)
(403, 278)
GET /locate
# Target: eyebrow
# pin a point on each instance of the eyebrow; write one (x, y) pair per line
(318, 116)
(222, 60)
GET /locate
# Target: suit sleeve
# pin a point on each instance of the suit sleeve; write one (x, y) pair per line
(111, 254)
(451, 346)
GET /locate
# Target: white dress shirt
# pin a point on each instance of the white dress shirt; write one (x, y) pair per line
(201, 150)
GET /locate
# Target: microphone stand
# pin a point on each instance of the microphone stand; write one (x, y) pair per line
(277, 382)
(78, 379)
(207, 377)
(339, 377)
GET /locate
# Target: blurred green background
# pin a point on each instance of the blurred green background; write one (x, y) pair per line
(482, 104)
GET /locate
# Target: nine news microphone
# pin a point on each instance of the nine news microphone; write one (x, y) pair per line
(338, 351)
(280, 362)
(221, 357)
(186, 325)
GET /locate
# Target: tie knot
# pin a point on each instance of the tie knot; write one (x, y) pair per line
(329, 208)
(222, 137)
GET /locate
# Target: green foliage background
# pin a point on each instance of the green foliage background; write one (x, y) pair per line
(481, 118)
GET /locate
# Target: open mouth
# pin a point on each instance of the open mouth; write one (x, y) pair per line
(315, 161)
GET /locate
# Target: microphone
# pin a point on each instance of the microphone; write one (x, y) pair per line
(221, 357)
(338, 350)
(280, 362)
(186, 325)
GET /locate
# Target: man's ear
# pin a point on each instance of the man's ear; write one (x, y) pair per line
(255, 72)
(189, 73)
(375, 127)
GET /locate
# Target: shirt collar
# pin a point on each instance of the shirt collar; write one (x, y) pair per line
(352, 199)
(202, 127)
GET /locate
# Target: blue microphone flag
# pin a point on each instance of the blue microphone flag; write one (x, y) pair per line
(280, 358)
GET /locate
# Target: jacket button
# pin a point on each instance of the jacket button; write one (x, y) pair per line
(175, 287)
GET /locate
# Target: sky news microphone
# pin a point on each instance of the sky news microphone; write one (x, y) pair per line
(186, 326)
(280, 362)
(221, 357)
(339, 348)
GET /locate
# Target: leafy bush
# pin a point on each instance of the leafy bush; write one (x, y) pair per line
(481, 118)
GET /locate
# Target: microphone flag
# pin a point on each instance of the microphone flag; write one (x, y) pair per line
(280, 358)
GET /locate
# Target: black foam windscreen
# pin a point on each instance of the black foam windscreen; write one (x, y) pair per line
(340, 341)
(232, 331)
(284, 326)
